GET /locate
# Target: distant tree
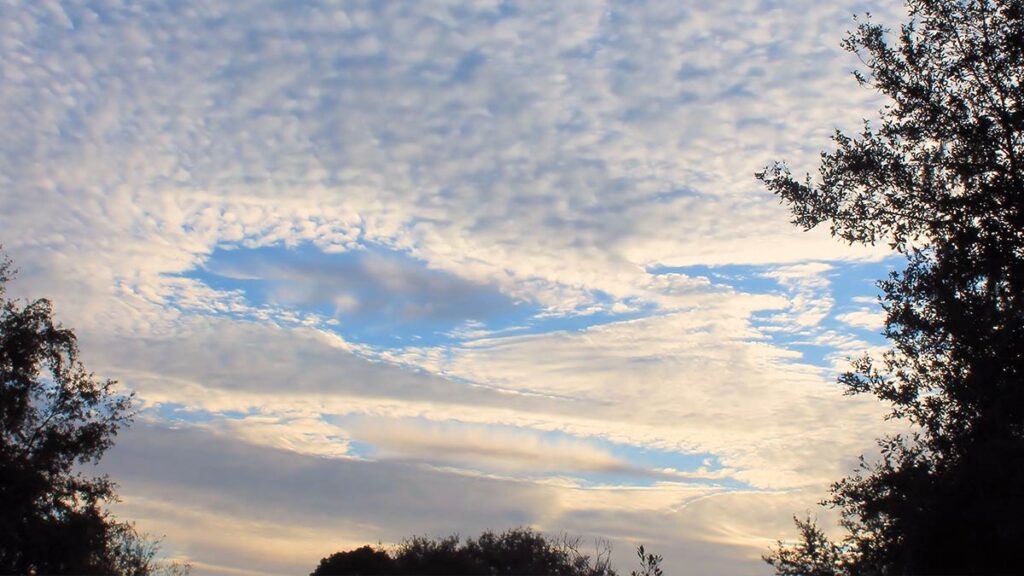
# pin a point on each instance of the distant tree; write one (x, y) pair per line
(55, 416)
(516, 552)
(941, 180)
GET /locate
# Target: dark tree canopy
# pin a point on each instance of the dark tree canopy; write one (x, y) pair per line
(516, 552)
(55, 416)
(941, 180)
(362, 560)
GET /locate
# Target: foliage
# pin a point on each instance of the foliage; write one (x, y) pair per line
(940, 180)
(516, 552)
(135, 554)
(813, 555)
(650, 564)
(362, 560)
(54, 417)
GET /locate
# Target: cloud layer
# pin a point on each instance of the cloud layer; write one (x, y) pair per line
(388, 268)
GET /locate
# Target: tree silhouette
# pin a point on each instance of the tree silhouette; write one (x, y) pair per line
(650, 564)
(939, 180)
(362, 560)
(813, 555)
(516, 552)
(55, 416)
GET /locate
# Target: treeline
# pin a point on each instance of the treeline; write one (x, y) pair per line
(516, 552)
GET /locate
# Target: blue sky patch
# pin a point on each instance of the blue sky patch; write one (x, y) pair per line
(375, 295)
(389, 299)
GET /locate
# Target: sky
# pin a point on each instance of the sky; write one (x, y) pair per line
(383, 269)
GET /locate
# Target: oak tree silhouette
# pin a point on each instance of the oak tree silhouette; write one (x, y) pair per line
(941, 180)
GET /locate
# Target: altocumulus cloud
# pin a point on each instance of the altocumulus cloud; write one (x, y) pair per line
(363, 261)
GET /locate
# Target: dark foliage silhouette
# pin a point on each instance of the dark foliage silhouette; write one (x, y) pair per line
(516, 552)
(363, 560)
(55, 416)
(813, 555)
(940, 180)
(650, 564)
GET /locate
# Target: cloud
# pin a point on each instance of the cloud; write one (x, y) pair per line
(683, 382)
(273, 492)
(581, 130)
(286, 510)
(475, 446)
(546, 154)
(678, 382)
(375, 285)
(222, 364)
(811, 299)
(867, 318)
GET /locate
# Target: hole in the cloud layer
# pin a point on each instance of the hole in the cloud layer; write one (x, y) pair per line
(375, 295)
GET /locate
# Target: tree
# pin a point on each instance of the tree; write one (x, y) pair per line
(55, 416)
(136, 554)
(650, 564)
(362, 560)
(940, 180)
(516, 552)
(814, 555)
